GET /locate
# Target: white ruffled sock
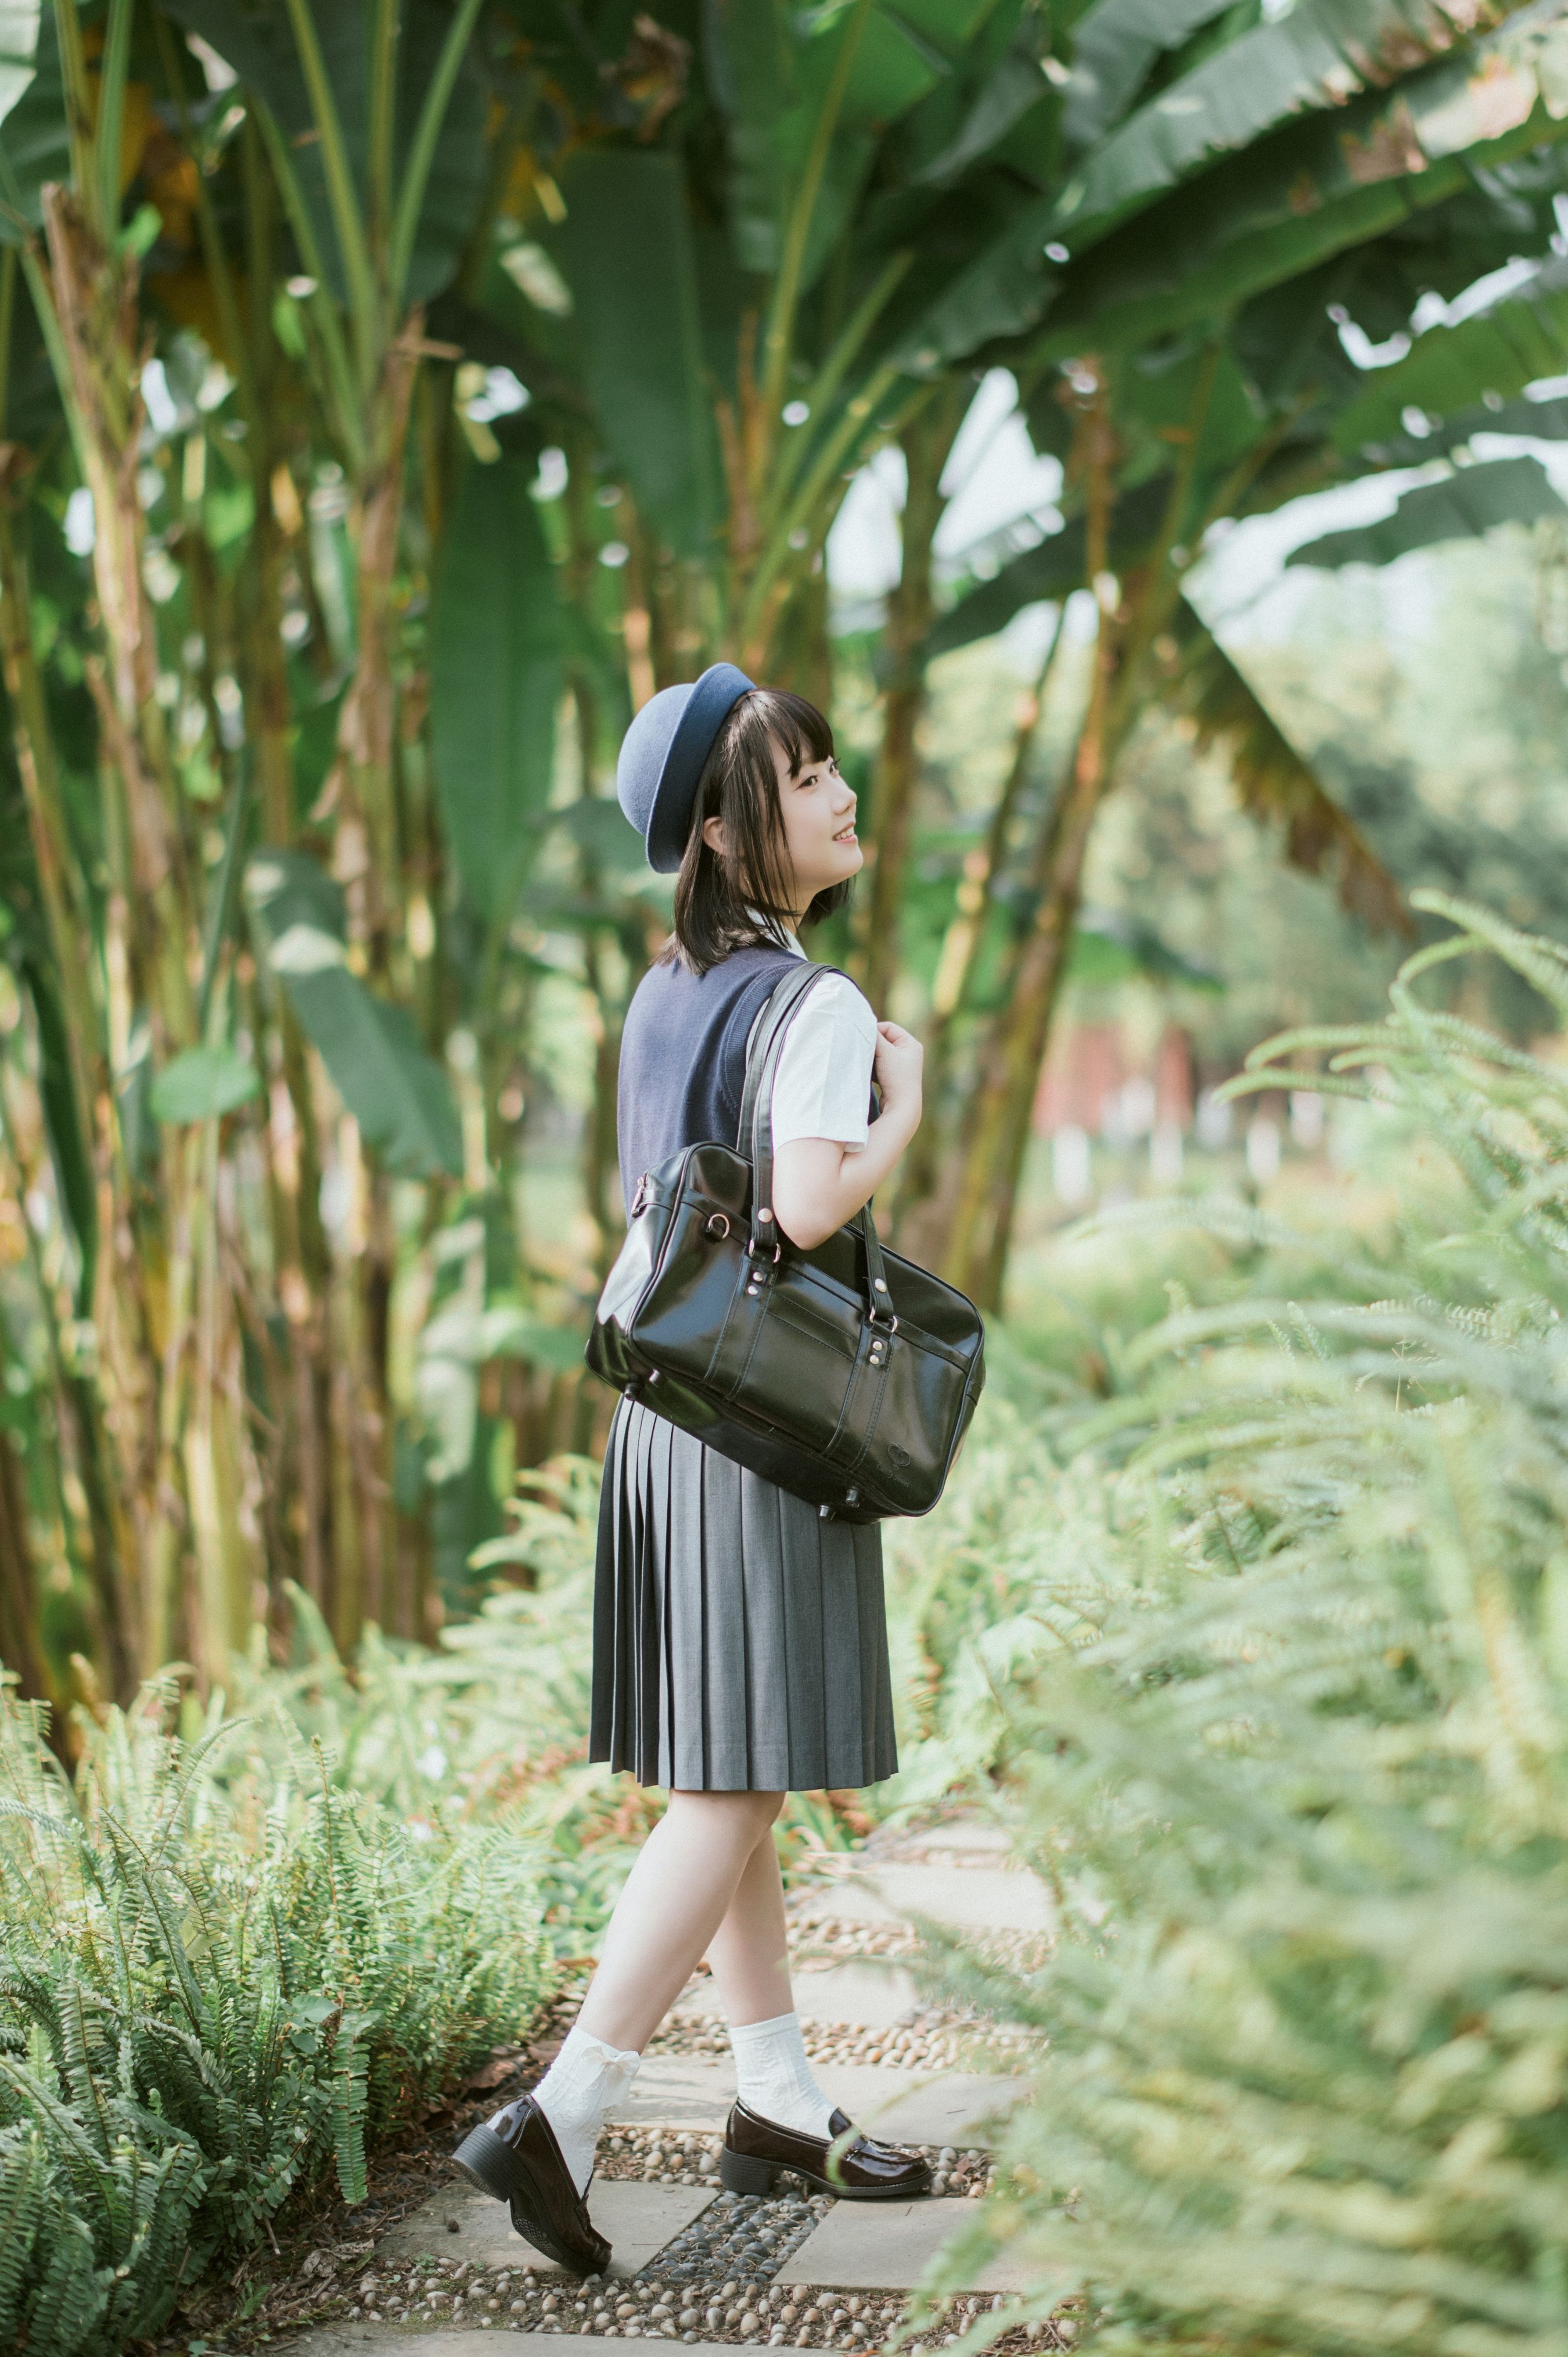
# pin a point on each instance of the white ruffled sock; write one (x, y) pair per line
(585, 2078)
(774, 2078)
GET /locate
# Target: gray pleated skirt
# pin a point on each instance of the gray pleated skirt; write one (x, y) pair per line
(740, 1642)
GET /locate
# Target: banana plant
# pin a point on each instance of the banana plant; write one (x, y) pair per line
(172, 1454)
(1262, 237)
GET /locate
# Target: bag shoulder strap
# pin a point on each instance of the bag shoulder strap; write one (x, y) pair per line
(762, 1063)
(778, 1011)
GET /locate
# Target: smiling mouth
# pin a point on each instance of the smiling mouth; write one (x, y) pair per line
(846, 834)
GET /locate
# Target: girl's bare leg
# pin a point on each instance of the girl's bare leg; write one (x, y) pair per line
(750, 1955)
(749, 1952)
(679, 1891)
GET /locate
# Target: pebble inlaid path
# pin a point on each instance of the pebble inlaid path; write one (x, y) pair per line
(709, 2269)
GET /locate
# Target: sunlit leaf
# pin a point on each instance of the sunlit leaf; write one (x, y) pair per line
(1314, 189)
(1113, 45)
(202, 1083)
(1312, 57)
(1521, 338)
(395, 1089)
(1465, 506)
(259, 44)
(19, 22)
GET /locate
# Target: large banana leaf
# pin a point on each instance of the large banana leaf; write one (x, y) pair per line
(1007, 97)
(1313, 56)
(771, 68)
(1534, 421)
(1499, 350)
(1317, 189)
(625, 247)
(1114, 48)
(258, 43)
(750, 62)
(397, 1093)
(495, 679)
(1464, 506)
(1273, 784)
(998, 293)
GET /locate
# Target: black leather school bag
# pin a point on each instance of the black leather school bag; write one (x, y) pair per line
(846, 1375)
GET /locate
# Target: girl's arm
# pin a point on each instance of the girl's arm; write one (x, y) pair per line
(818, 1185)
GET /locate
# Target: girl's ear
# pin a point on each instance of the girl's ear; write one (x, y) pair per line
(714, 836)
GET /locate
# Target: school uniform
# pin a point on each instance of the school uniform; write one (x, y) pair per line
(740, 1639)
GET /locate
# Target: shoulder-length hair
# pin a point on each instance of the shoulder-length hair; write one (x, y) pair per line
(742, 896)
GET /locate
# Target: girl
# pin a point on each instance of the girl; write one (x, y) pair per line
(740, 1649)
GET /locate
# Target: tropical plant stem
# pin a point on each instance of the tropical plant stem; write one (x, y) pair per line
(779, 337)
(927, 441)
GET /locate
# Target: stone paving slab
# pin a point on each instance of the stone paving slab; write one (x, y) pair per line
(889, 2245)
(971, 1834)
(876, 1996)
(638, 2219)
(686, 2092)
(982, 1897)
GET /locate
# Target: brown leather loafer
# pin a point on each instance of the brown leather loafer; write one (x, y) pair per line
(756, 2151)
(520, 2162)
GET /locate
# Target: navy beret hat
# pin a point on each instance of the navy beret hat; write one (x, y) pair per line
(662, 756)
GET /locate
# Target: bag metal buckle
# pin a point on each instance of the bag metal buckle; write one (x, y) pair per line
(716, 1224)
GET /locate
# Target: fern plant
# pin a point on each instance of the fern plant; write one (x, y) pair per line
(221, 1977)
(1292, 1744)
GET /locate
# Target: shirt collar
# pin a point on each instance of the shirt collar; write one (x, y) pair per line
(786, 938)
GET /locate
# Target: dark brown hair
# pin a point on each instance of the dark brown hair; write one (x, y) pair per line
(715, 897)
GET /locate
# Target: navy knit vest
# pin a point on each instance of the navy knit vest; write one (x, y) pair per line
(682, 1056)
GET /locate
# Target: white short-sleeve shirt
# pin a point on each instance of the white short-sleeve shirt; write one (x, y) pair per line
(822, 1086)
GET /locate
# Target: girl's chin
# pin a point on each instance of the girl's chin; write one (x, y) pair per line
(848, 859)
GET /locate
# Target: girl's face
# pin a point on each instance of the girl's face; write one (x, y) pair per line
(817, 810)
(820, 846)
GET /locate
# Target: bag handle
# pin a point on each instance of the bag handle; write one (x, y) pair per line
(762, 1063)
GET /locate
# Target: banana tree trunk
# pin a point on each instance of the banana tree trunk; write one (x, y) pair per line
(20, 1649)
(172, 1422)
(961, 948)
(367, 860)
(104, 1541)
(365, 837)
(981, 1198)
(981, 1202)
(927, 441)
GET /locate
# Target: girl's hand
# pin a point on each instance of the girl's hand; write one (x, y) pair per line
(899, 1065)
